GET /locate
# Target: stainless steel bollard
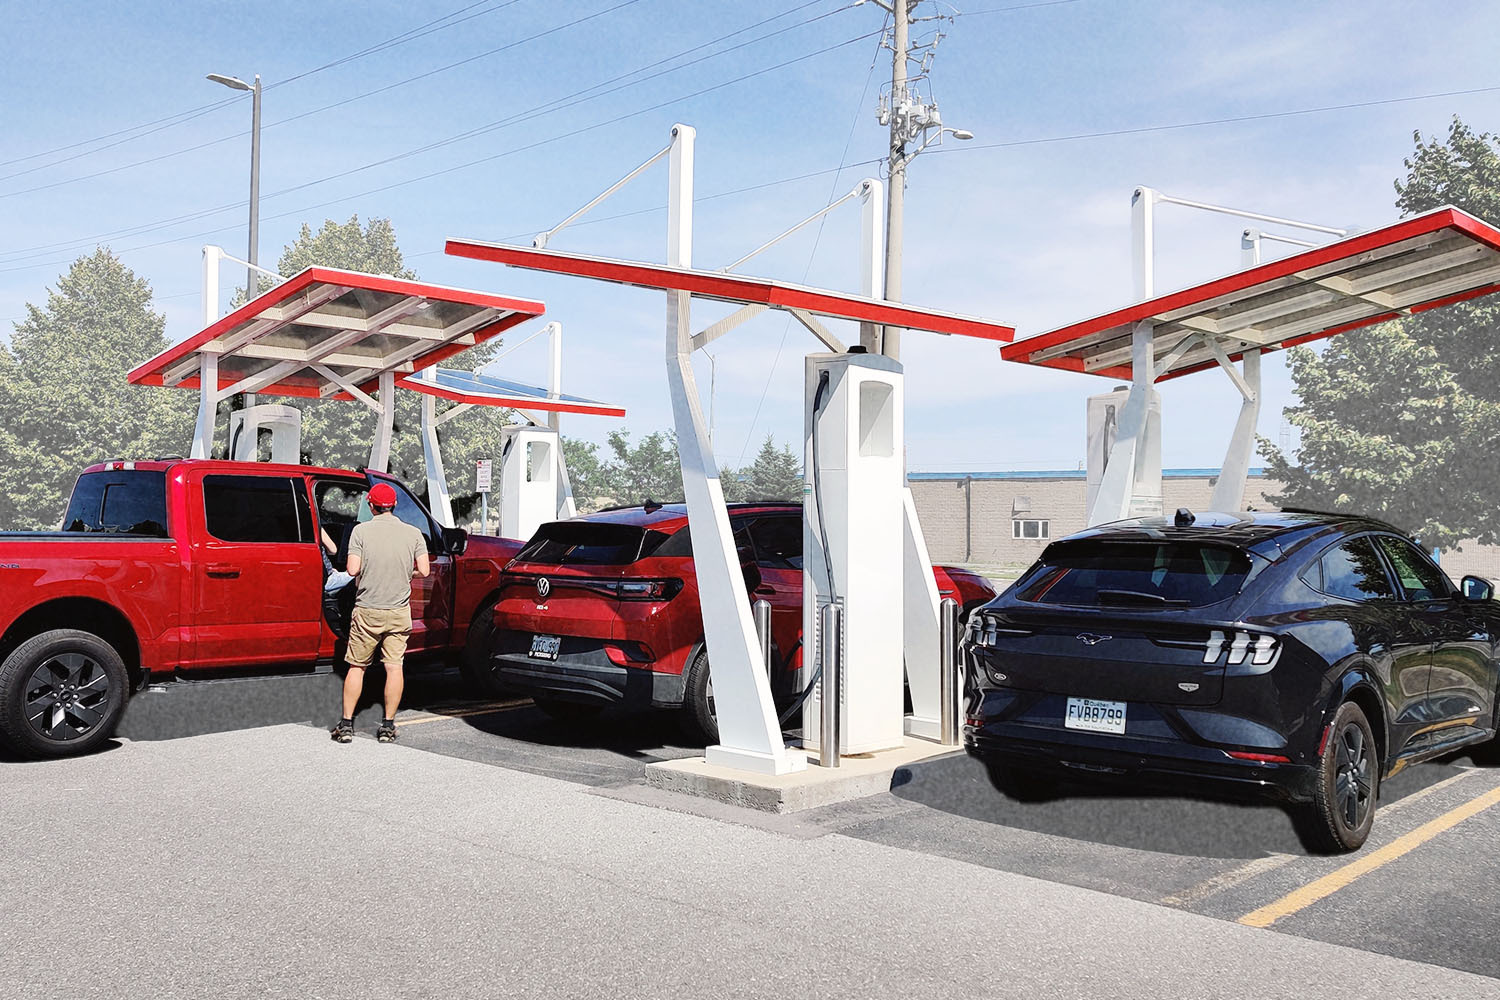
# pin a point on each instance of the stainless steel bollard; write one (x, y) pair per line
(762, 611)
(831, 651)
(948, 672)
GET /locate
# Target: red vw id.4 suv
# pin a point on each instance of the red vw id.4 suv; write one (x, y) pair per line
(603, 609)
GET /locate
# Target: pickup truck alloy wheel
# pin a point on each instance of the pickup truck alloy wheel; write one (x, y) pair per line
(61, 692)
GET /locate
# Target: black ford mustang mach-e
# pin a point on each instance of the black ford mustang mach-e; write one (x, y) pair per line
(1302, 656)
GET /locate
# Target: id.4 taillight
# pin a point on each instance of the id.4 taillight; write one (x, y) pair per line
(648, 590)
(1259, 647)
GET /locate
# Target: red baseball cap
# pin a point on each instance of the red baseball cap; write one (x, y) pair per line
(382, 495)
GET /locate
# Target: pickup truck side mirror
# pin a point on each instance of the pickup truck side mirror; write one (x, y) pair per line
(455, 540)
(1475, 589)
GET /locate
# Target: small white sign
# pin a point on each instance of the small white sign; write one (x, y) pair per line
(482, 475)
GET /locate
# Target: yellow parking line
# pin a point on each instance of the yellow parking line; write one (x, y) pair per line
(1309, 894)
(503, 706)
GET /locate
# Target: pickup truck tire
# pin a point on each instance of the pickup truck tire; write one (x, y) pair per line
(474, 661)
(61, 693)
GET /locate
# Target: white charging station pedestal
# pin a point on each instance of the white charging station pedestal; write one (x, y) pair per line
(1104, 413)
(852, 523)
(284, 424)
(532, 488)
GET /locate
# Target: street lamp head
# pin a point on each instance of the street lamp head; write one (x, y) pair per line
(234, 83)
(962, 133)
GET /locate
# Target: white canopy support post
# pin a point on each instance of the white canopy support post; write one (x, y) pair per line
(872, 254)
(1117, 488)
(208, 403)
(1229, 493)
(920, 635)
(380, 452)
(211, 257)
(749, 731)
(566, 508)
(438, 500)
(1143, 240)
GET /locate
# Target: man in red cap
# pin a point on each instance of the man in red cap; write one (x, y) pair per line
(384, 554)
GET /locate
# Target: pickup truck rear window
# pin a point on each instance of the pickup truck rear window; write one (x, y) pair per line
(1136, 575)
(119, 502)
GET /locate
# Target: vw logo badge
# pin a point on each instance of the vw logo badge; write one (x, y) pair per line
(543, 588)
(1090, 639)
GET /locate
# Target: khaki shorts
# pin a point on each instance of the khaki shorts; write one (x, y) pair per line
(386, 629)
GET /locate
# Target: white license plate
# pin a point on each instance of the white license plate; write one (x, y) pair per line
(1095, 716)
(545, 647)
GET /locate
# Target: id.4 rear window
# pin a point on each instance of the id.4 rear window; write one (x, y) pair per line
(1136, 574)
(585, 543)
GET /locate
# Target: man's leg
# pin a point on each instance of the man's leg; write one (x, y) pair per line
(394, 685)
(354, 686)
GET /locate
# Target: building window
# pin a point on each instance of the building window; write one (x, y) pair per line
(1027, 528)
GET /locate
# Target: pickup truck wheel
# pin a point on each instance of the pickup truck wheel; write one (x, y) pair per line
(61, 693)
(474, 662)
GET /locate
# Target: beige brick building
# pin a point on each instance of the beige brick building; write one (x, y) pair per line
(1001, 521)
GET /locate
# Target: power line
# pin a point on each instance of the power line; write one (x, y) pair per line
(786, 325)
(1007, 10)
(484, 159)
(1237, 119)
(18, 255)
(185, 116)
(314, 111)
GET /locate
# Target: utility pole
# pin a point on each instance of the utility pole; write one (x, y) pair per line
(895, 189)
(909, 119)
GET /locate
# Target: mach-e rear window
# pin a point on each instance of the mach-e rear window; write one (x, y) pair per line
(1136, 574)
(588, 543)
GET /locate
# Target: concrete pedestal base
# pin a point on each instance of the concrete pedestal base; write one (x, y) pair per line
(855, 777)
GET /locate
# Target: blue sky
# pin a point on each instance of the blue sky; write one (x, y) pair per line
(1024, 224)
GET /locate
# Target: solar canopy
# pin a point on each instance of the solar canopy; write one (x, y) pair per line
(486, 390)
(324, 330)
(726, 287)
(1431, 260)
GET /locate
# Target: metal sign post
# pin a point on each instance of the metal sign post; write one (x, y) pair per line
(482, 487)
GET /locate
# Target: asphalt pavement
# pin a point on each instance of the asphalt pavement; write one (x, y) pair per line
(273, 863)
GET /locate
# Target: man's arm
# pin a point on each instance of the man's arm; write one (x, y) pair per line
(355, 560)
(424, 566)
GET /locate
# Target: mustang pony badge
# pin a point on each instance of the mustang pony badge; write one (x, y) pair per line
(1090, 639)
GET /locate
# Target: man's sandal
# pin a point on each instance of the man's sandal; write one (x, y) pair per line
(386, 733)
(342, 733)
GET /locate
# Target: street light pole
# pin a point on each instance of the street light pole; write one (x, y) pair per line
(253, 254)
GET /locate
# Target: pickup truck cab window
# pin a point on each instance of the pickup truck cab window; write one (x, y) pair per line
(123, 502)
(256, 509)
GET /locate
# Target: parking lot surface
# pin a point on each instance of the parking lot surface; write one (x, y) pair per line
(1113, 894)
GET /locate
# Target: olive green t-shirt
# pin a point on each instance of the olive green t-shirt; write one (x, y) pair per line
(387, 548)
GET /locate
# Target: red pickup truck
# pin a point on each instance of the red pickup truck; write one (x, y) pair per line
(176, 569)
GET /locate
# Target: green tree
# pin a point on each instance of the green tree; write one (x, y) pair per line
(774, 475)
(64, 401)
(1399, 421)
(648, 470)
(339, 433)
(585, 474)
